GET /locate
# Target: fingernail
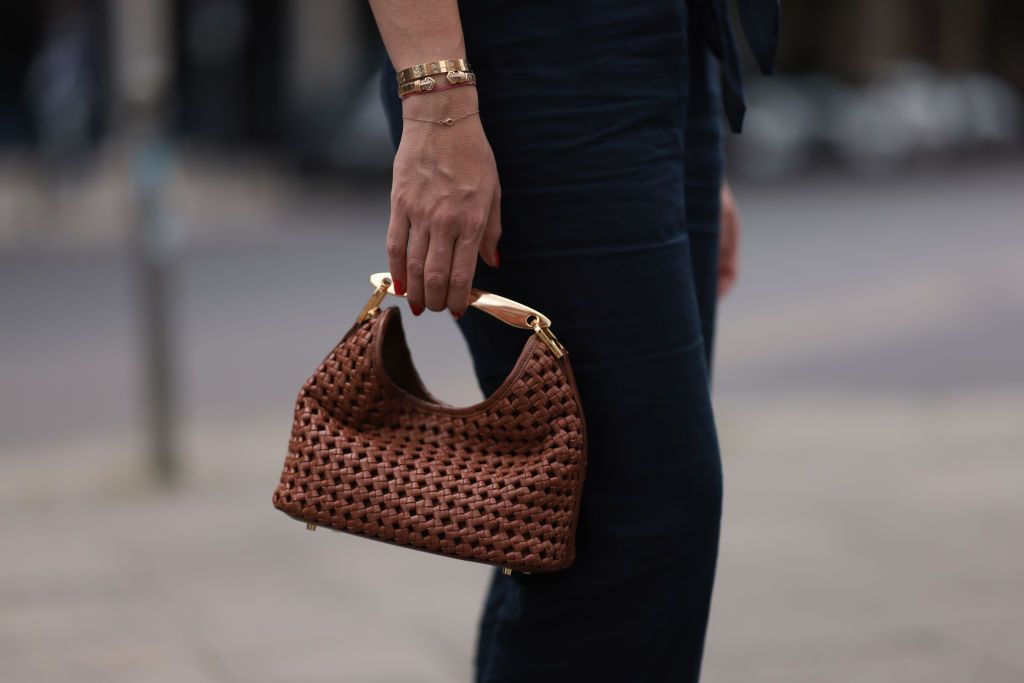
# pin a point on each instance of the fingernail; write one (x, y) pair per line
(416, 310)
(456, 315)
(399, 287)
(497, 261)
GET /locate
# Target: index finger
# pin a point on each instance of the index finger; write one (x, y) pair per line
(397, 242)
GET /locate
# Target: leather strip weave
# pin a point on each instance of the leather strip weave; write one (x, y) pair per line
(373, 453)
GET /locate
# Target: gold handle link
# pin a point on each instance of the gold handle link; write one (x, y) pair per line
(373, 305)
(548, 337)
(504, 309)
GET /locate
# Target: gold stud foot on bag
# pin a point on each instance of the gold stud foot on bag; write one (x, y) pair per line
(373, 453)
(508, 571)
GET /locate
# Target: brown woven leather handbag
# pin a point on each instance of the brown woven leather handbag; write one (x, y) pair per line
(373, 453)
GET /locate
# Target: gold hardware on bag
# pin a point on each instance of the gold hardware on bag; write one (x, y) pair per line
(504, 309)
(311, 526)
(547, 337)
(373, 305)
(507, 571)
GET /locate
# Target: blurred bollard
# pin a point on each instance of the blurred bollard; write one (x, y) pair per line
(144, 47)
(157, 250)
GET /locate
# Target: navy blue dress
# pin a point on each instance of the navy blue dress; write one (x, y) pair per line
(605, 121)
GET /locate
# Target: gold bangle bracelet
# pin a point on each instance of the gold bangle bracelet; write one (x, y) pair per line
(430, 83)
(432, 68)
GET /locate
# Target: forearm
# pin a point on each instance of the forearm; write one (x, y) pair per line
(445, 196)
(417, 31)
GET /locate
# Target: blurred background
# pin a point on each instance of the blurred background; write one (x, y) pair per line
(192, 194)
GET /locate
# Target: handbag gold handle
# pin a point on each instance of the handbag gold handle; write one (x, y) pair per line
(504, 309)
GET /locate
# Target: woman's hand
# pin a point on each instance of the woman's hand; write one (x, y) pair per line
(729, 245)
(445, 202)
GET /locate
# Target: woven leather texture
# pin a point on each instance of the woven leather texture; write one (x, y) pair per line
(373, 453)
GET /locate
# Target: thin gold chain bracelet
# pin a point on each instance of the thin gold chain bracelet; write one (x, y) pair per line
(447, 121)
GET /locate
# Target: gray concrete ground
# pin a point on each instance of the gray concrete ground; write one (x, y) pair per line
(870, 394)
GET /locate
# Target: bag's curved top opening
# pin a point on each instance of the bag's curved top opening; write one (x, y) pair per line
(398, 374)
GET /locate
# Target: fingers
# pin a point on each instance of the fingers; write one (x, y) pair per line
(728, 255)
(419, 241)
(492, 231)
(436, 270)
(461, 280)
(726, 259)
(726, 280)
(437, 265)
(397, 242)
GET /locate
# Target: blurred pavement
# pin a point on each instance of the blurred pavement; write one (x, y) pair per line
(870, 394)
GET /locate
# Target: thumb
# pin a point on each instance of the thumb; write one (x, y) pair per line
(492, 232)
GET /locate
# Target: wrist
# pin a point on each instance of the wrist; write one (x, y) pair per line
(443, 103)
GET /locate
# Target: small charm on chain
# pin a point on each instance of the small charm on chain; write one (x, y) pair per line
(447, 121)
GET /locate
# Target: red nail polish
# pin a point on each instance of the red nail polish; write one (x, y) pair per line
(456, 315)
(399, 287)
(416, 310)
